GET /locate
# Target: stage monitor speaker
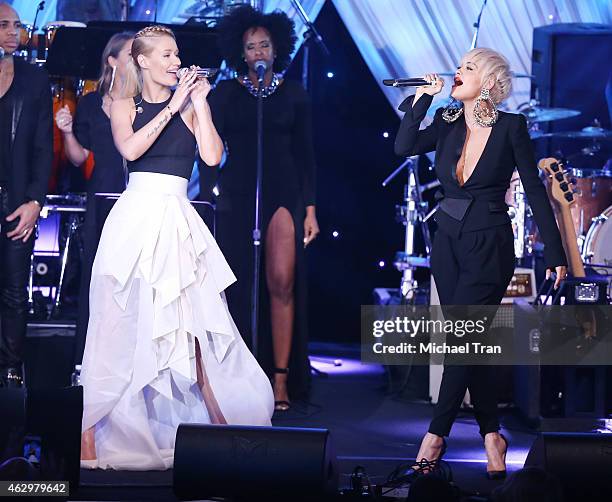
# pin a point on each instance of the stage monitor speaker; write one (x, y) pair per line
(256, 462)
(581, 461)
(571, 68)
(46, 424)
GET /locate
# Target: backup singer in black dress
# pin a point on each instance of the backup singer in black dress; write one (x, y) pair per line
(288, 216)
(91, 132)
(472, 260)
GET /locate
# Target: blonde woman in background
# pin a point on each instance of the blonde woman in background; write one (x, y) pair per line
(90, 131)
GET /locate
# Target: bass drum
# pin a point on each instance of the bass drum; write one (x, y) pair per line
(597, 250)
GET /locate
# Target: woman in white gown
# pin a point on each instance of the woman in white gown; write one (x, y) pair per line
(162, 348)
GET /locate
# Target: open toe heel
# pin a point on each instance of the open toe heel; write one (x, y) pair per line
(281, 405)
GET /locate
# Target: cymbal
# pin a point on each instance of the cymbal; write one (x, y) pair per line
(541, 114)
(586, 133)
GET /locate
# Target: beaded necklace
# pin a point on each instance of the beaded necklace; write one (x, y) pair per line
(266, 90)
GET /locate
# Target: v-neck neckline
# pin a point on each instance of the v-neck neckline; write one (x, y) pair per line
(482, 154)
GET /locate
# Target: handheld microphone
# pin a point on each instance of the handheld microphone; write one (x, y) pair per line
(260, 67)
(201, 72)
(405, 82)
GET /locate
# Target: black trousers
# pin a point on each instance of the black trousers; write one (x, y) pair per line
(14, 273)
(473, 269)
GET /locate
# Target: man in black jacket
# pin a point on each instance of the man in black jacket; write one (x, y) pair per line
(26, 152)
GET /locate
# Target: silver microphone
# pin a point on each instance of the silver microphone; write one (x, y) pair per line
(261, 67)
(201, 72)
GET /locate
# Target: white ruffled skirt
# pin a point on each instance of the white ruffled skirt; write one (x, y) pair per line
(157, 285)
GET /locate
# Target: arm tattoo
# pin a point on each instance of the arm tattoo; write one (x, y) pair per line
(157, 127)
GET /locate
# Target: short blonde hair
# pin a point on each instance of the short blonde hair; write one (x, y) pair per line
(142, 45)
(492, 64)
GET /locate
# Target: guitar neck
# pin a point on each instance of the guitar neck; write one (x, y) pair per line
(568, 234)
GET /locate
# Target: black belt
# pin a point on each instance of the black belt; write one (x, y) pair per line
(454, 207)
(457, 208)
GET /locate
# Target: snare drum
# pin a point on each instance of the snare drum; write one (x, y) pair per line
(594, 195)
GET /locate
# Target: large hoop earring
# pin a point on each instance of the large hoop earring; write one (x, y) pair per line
(485, 111)
(110, 87)
(452, 111)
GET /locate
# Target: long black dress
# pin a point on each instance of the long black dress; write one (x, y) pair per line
(92, 130)
(288, 181)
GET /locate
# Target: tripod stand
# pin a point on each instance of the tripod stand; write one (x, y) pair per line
(412, 214)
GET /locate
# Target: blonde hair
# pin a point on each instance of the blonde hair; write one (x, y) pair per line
(492, 64)
(113, 48)
(141, 45)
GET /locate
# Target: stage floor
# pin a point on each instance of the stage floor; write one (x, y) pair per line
(369, 427)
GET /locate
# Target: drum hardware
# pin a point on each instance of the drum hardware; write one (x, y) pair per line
(74, 225)
(411, 215)
(72, 205)
(521, 219)
(518, 215)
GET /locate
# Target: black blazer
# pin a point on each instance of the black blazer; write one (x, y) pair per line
(31, 135)
(479, 203)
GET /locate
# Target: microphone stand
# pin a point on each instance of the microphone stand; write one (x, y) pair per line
(310, 34)
(477, 26)
(257, 228)
(41, 6)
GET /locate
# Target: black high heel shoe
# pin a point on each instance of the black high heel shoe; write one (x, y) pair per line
(494, 475)
(407, 472)
(281, 405)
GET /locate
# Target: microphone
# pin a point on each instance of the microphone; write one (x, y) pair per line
(260, 67)
(201, 72)
(405, 82)
(1, 52)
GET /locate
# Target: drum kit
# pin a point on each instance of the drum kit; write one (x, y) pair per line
(593, 192)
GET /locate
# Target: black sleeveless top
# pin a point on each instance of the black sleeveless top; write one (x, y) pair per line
(173, 152)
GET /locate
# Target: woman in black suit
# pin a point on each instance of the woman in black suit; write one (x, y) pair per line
(472, 260)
